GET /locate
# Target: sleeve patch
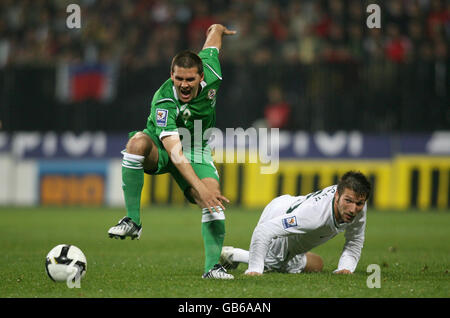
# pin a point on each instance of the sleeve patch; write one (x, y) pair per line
(161, 117)
(290, 222)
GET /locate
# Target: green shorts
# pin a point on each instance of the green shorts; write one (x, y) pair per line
(203, 167)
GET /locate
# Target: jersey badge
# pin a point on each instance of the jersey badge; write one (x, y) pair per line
(211, 94)
(290, 222)
(161, 117)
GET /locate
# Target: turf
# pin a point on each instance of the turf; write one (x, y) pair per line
(412, 249)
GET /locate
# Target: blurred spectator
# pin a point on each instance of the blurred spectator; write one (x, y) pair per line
(241, 46)
(337, 11)
(336, 47)
(374, 45)
(201, 20)
(298, 19)
(355, 12)
(397, 46)
(277, 26)
(322, 22)
(355, 41)
(395, 14)
(438, 17)
(277, 111)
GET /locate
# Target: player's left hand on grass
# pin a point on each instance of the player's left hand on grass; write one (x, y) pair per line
(253, 274)
(343, 271)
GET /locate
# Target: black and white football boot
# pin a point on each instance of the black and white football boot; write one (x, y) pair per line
(125, 227)
(217, 272)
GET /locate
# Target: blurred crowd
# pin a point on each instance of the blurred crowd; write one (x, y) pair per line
(140, 33)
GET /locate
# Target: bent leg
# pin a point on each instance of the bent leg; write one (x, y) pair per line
(142, 145)
(240, 255)
(314, 263)
(141, 153)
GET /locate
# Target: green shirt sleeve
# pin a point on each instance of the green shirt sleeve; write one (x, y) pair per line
(211, 63)
(163, 117)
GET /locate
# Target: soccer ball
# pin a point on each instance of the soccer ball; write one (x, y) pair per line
(65, 263)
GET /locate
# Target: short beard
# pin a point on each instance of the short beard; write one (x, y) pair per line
(339, 216)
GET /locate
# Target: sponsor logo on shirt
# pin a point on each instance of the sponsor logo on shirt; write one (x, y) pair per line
(161, 117)
(290, 222)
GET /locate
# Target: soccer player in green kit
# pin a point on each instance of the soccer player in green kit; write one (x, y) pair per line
(183, 103)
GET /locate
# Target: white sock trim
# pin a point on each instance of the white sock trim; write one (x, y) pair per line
(132, 161)
(217, 215)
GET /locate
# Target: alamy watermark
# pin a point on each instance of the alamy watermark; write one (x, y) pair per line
(73, 21)
(374, 279)
(374, 19)
(235, 146)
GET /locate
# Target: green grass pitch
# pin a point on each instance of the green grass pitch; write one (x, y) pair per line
(412, 249)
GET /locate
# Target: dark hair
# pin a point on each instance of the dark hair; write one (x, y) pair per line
(356, 181)
(187, 59)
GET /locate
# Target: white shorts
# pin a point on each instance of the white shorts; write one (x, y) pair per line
(275, 259)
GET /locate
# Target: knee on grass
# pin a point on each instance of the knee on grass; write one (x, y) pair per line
(314, 263)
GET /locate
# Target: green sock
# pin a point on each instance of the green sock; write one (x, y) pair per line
(132, 184)
(213, 233)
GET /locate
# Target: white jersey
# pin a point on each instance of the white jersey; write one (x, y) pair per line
(290, 226)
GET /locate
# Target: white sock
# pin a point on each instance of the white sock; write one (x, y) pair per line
(216, 215)
(132, 161)
(240, 255)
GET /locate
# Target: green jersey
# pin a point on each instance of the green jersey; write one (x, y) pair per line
(168, 115)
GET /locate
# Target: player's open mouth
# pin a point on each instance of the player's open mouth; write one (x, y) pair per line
(185, 94)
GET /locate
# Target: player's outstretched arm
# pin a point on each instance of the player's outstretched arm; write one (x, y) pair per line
(214, 35)
(208, 197)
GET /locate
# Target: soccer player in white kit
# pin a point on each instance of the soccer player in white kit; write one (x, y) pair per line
(290, 226)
